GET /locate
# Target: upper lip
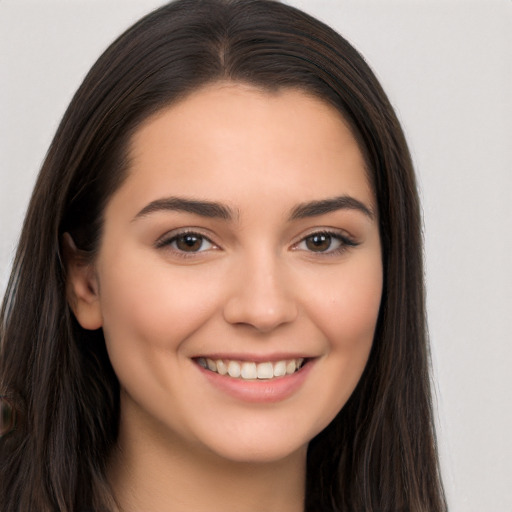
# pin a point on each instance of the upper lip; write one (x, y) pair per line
(257, 358)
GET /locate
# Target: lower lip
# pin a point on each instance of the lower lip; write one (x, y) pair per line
(259, 391)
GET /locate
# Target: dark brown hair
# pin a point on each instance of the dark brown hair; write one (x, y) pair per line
(379, 453)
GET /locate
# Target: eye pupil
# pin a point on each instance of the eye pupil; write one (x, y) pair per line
(318, 242)
(189, 243)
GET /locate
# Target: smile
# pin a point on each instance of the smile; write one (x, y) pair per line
(249, 370)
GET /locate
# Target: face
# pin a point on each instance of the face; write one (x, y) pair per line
(239, 276)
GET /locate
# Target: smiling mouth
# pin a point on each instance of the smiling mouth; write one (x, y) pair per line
(248, 370)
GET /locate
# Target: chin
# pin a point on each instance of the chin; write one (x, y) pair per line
(261, 452)
(269, 443)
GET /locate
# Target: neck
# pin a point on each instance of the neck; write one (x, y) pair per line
(169, 475)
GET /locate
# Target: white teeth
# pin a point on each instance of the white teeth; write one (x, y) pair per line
(234, 369)
(249, 370)
(221, 367)
(265, 371)
(280, 369)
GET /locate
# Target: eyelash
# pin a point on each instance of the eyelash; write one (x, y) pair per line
(345, 242)
(168, 241)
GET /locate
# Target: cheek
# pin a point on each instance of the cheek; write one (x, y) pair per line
(346, 307)
(146, 328)
(157, 309)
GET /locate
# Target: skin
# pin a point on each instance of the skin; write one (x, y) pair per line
(254, 286)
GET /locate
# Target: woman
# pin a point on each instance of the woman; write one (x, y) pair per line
(223, 307)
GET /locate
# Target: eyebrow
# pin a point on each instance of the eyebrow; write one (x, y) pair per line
(203, 208)
(316, 208)
(216, 210)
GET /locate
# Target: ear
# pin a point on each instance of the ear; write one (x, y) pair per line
(81, 285)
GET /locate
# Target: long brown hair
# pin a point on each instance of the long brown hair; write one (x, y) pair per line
(379, 453)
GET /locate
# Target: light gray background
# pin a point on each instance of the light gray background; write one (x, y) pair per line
(446, 66)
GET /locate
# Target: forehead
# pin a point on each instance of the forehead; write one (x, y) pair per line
(236, 140)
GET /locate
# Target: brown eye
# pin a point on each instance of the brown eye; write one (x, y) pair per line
(189, 242)
(319, 242)
(326, 242)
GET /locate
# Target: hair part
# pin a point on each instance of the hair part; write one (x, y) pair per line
(379, 454)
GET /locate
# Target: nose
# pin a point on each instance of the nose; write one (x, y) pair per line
(261, 296)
